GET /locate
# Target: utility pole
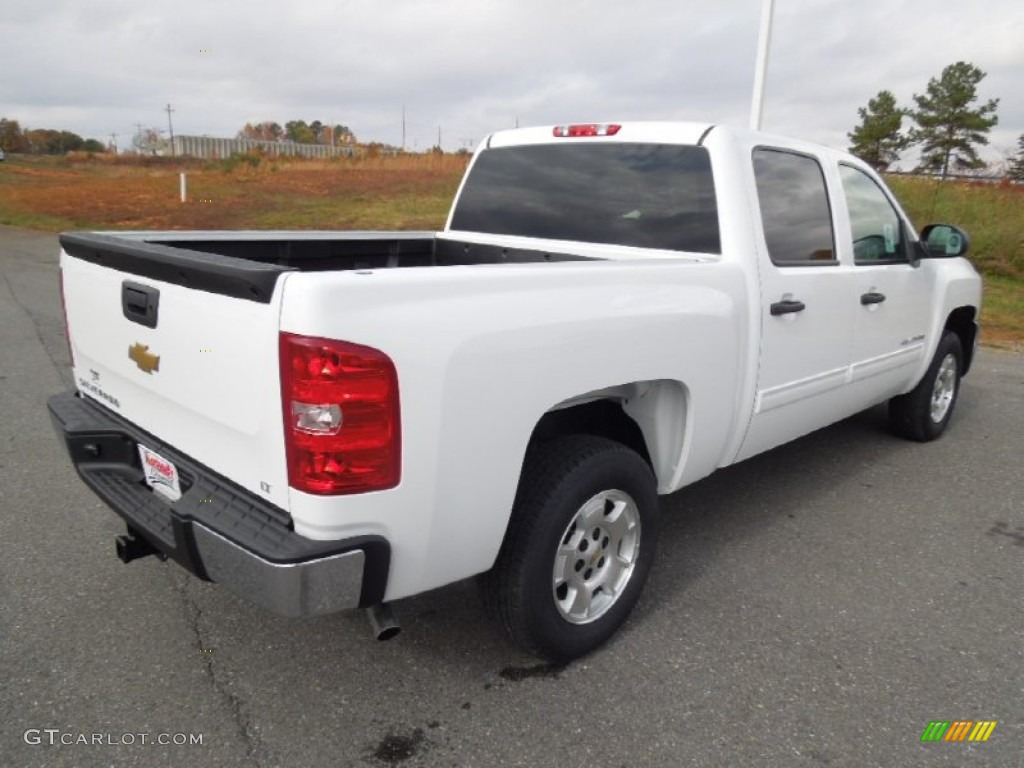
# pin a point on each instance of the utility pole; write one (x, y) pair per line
(763, 44)
(403, 127)
(439, 138)
(170, 127)
(113, 141)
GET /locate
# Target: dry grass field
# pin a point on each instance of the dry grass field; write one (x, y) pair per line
(405, 192)
(414, 192)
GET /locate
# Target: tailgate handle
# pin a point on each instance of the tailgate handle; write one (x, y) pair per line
(140, 303)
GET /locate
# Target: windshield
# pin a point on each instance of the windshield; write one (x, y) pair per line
(644, 195)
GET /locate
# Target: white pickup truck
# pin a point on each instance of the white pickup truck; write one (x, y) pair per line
(324, 421)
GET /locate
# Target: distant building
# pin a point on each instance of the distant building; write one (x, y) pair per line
(208, 148)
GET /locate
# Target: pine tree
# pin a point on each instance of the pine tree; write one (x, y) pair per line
(949, 127)
(1016, 169)
(877, 140)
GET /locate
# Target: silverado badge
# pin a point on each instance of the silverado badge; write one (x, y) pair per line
(143, 358)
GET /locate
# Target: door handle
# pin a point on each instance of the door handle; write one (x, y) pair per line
(786, 307)
(872, 298)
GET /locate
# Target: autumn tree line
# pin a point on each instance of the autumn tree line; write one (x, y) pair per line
(49, 141)
(947, 123)
(299, 131)
(43, 141)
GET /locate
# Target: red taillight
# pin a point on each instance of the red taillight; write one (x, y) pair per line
(587, 129)
(64, 311)
(341, 416)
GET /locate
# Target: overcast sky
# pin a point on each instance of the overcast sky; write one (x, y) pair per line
(97, 67)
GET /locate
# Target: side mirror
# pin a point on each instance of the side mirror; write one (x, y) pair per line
(944, 240)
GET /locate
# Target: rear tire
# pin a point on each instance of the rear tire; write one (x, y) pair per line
(923, 413)
(579, 546)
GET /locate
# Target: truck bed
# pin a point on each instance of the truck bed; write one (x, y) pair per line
(246, 265)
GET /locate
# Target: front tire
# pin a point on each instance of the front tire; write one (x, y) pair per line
(580, 544)
(923, 413)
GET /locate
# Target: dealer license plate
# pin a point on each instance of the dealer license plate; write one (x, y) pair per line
(161, 474)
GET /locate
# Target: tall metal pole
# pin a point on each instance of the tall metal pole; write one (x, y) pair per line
(170, 128)
(763, 45)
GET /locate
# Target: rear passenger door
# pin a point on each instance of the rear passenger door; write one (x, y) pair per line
(893, 294)
(807, 303)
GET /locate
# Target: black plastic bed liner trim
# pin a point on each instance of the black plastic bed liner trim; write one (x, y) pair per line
(449, 253)
(211, 272)
(249, 268)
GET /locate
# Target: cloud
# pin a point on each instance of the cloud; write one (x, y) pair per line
(474, 67)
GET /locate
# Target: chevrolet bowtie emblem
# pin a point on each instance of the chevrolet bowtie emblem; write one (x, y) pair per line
(143, 358)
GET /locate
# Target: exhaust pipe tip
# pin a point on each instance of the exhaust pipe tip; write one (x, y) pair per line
(383, 623)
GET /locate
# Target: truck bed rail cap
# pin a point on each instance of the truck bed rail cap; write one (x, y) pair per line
(239, 278)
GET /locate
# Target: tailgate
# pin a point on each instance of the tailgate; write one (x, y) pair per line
(183, 347)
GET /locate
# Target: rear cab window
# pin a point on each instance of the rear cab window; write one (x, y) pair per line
(795, 209)
(616, 193)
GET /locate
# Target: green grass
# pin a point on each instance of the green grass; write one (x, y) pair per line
(1002, 312)
(426, 210)
(992, 215)
(38, 221)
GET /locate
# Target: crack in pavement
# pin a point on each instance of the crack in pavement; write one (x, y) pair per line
(257, 750)
(62, 370)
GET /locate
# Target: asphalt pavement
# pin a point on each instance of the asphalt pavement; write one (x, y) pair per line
(818, 605)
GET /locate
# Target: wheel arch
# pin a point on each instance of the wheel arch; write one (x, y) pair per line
(650, 417)
(963, 321)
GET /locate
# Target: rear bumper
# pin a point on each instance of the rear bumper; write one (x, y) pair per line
(216, 530)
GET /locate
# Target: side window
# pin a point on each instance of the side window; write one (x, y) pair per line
(794, 208)
(878, 234)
